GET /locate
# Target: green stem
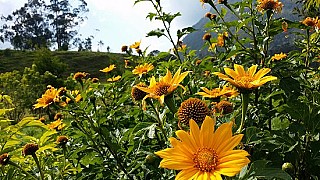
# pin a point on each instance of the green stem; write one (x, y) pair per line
(169, 102)
(308, 48)
(245, 103)
(24, 171)
(160, 123)
(38, 164)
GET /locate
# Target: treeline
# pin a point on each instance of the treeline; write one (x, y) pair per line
(46, 24)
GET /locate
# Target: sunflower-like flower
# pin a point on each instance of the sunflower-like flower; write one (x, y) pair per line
(272, 5)
(114, 79)
(216, 93)
(221, 38)
(203, 153)
(57, 125)
(49, 97)
(142, 69)
(79, 76)
(58, 116)
(165, 86)
(108, 69)
(206, 37)
(278, 57)
(136, 45)
(246, 80)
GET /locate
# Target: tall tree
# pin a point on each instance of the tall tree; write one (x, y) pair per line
(29, 29)
(64, 18)
(38, 24)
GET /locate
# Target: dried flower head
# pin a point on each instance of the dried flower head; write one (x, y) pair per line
(95, 80)
(62, 91)
(206, 37)
(30, 149)
(62, 140)
(4, 159)
(224, 107)
(136, 93)
(192, 108)
(42, 119)
(198, 62)
(124, 48)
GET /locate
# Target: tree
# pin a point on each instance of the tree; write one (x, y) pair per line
(63, 20)
(29, 29)
(38, 24)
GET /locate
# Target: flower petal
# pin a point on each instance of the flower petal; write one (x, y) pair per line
(186, 174)
(239, 70)
(229, 144)
(261, 73)
(252, 70)
(185, 138)
(231, 73)
(194, 132)
(223, 133)
(206, 131)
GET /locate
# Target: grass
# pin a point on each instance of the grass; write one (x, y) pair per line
(90, 62)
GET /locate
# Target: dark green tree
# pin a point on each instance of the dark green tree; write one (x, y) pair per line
(29, 29)
(64, 18)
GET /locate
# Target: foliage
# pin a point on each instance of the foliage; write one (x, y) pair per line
(42, 24)
(110, 136)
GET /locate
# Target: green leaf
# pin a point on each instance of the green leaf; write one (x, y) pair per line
(223, 12)
(158, 32)
(44, 138)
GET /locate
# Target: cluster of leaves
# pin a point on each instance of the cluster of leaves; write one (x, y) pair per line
(111, 137)
(41, 24)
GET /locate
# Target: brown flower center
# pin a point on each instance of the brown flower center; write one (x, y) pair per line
(270, 5)
(205, 159)
(161, 89)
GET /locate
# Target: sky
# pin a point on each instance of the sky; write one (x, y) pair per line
(120, 22)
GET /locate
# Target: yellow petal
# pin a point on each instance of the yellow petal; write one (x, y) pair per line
(231, 73)
(185, 138)
(180, 78)
(223, 133)
(229, 144)
(153, 82)
(186, 174)
(206, 132)
(252, 70)
(239, 70)
(176, 164)
(194, 132)
(261, 73)
(168, 77)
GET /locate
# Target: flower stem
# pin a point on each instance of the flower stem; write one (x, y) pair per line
(24, 171)
(245, 103)
(169, 102)
(38, 164)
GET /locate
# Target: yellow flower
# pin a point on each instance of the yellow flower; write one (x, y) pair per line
(220, 40)
(49, 97)
(264, 5)
(225, 91)
(108, 69)
(308, 21)
(278, 57)
(79, 76)
(57, 125)
(246, 80)
(114, 79)
(136, 45)
(204, 154)
(182, 47)
(142, 69)
(165, 86)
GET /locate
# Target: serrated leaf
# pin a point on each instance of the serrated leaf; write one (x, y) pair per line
(158, 32)
(44, 138)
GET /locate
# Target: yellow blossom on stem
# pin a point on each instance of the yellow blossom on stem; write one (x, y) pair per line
(246, 80)
(278, 57)
(49, 97)
(136, 45)
(265, 5)
(109, 68)
(165, 86)
(204, 153)
(142, 69)
(114, 79)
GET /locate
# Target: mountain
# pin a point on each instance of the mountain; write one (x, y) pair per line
(283, 42)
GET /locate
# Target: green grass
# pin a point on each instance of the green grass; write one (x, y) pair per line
(89, 62)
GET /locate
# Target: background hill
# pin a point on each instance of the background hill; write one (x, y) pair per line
(283, 42)
(90, 62)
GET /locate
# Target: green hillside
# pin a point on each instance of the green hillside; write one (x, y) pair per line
(90, 62)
